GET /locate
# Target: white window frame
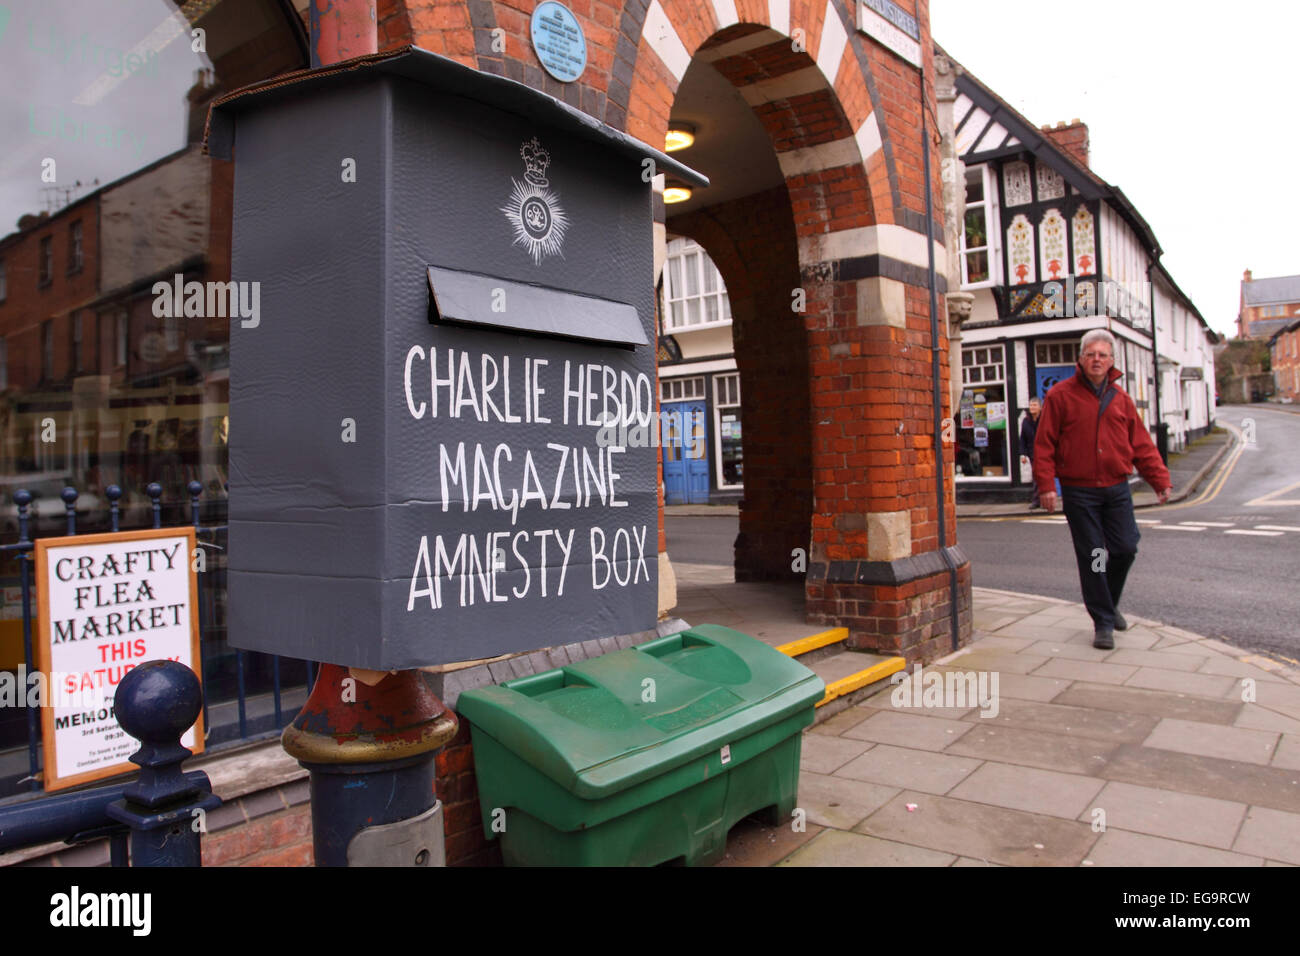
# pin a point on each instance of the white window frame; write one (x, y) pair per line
(690, 388)
(679, 250)
(966, 383)
(719, 380)
(993, 226)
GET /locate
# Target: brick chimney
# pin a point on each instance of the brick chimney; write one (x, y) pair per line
(1073, 138)
(1245, 276)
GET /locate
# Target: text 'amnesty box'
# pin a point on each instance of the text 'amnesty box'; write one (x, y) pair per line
(440, 421)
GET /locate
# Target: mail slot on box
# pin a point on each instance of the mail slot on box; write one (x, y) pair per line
(456, 280)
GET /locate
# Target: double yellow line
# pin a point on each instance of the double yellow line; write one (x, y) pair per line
(1220, 478)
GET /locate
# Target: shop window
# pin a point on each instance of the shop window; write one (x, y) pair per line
(982, 450)
(726, 414)
(694, 294)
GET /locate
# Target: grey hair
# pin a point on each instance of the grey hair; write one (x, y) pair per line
(1097, 335)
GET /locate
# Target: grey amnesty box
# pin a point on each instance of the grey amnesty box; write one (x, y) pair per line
(437, 448)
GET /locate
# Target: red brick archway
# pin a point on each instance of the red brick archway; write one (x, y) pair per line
(844, 115)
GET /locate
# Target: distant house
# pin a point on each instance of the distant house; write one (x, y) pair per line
(1267, 305)
(1284, 354)
(1049, 250)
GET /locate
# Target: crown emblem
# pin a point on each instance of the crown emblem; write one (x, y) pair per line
(536, 159)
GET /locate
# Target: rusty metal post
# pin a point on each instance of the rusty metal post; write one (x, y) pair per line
(369, 741)
(342, 29)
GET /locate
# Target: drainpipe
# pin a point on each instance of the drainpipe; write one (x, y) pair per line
(342, 29)
(935, 375)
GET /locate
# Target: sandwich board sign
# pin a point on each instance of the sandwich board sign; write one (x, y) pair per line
(107, 603)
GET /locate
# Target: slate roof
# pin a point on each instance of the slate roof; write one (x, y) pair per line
(1272, 291)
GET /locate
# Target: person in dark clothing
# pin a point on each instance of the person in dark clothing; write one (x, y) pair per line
(1028, 429)
(1090, 437)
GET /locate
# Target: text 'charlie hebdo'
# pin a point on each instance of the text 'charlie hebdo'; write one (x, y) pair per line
(526, 482)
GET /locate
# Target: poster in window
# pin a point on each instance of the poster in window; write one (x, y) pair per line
(107, 603)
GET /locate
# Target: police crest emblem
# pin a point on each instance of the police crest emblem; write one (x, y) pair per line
(534, 211)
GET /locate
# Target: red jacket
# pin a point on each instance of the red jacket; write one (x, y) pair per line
(1084, 445)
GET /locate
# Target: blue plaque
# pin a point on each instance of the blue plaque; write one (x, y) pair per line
(559, 41)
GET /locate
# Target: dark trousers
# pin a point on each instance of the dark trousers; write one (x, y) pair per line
(1105, 535)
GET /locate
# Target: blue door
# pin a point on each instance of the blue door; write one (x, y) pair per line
(684, 436)
(1049, 375)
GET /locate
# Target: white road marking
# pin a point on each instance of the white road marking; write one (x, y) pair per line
(1147, 520)
(1044, 521)
(1211, 524)
(1265, 534)
(1178, 527)
(1277, 527)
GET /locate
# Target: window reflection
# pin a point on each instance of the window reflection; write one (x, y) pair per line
(104, 193)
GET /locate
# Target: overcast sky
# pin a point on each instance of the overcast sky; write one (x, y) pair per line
(1190, 110)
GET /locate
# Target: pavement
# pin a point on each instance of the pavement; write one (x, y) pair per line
(1170, 750)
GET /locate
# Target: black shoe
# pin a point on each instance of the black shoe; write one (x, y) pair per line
(1120, 623)
(1103, 639)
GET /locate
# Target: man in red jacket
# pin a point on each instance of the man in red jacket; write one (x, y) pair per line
(1090, 437)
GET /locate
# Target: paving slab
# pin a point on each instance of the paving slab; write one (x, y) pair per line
(1283, 698)
(1201, 685)
(1135, 638)
(1055, 717)
(1030, 748)
(912, 769)
(1056, 794)
(1122, 848)
(1272, 787)
(980, 831)
(1027, 686)
(1261, 718)
(823, 754)
(1137, 700)
(1288, 753)
(1167, 813)
(1234, 668)
(1093, 672)
(840, 802)
(1272, 834)
(1182, 645)
(885, 702)
(840, 848)
(908, 730)
(1005, 663)
(842, 721)
(1213, 740)
(1169, 662)
(1069, 650)
(995, 642)
(971, 861)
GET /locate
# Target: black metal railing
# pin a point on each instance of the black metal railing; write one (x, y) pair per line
(230, 729)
